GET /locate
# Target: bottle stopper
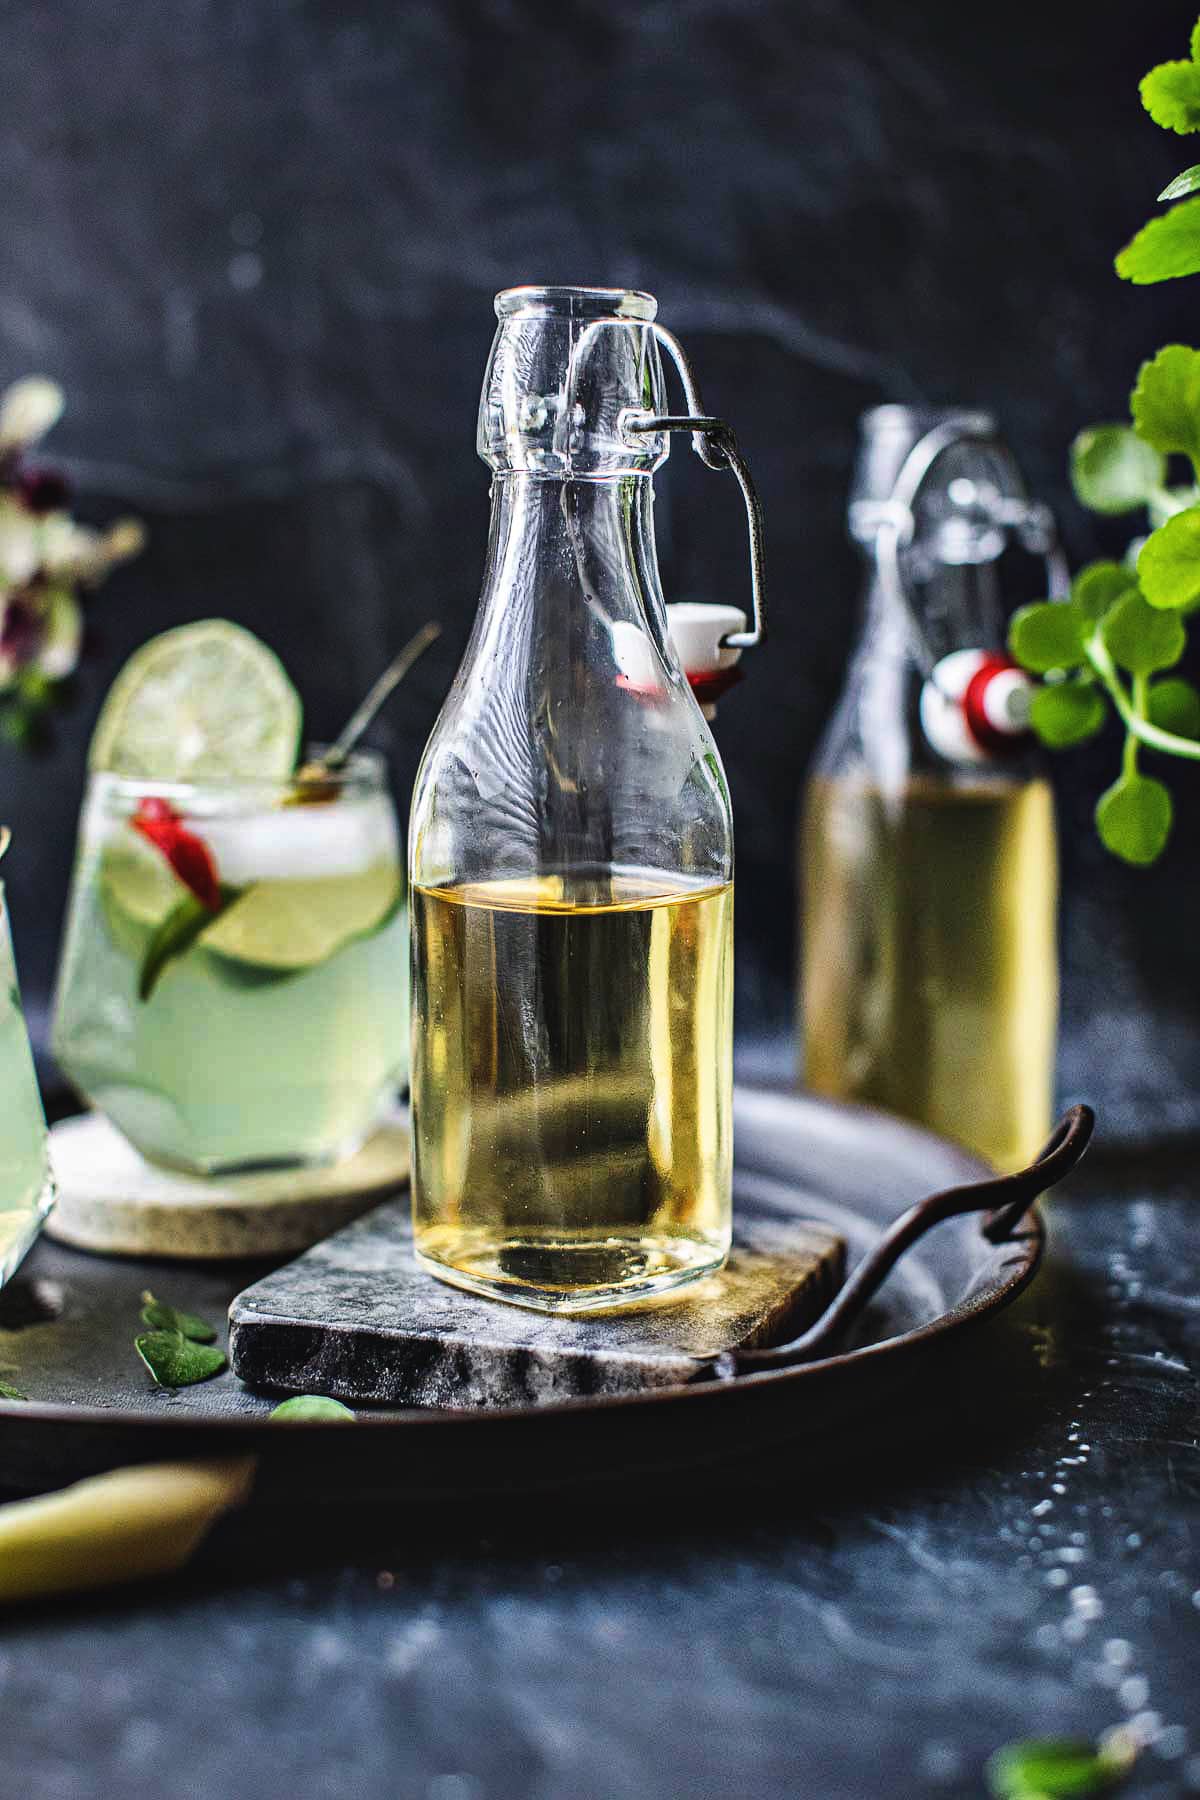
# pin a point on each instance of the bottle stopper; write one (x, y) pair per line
(975, 706)
(697, 630)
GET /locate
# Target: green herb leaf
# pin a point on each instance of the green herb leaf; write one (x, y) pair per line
(176, 934)
(175, 1361)
(161, 1317)
(1184, 184)
(1142, 638)
(1047, 635)
(310, 1406)
(1169, 564)
(1133, 818)
(1099, 586)
(1165, 248)
(11, 1393)
(1067, 713)
(1165, 402)
(1113, 471)
(1174, 705)
(1052, 1769)
(1171, 95)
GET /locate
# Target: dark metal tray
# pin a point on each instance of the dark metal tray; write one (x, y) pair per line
(68, 1319)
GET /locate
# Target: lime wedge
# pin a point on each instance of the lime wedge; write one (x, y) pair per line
(203, 702)
(281, 927)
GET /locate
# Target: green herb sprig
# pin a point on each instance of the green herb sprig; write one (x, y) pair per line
(1106, 647)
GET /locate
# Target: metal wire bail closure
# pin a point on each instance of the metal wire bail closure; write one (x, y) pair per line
(714, 442)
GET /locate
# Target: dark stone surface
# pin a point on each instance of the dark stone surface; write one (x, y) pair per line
(259, 243)
(1013, 1552)
(355, 1317)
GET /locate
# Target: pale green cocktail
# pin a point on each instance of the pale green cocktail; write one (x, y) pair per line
(233, 989)
(26, 1193)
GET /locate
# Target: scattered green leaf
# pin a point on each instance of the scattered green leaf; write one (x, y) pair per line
(1171, 95)
(1165, 402)
(1133, 818)
(176, 935)
(175, 1361)
(304, 1407)
(1174, 705)
(1167, 247)
(1142, 639)
(1169, 564)
(1054, 1769)
(1113, 471)
(1067, 713)
(8, 1392)
(1099, 586)
(1048, 635)
(162, 1317)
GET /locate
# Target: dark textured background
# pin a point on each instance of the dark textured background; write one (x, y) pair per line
(258, 243)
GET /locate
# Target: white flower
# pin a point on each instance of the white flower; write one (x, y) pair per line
(20, 546)
(28, 410)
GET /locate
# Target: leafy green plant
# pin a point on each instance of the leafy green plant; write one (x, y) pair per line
(1108, 646)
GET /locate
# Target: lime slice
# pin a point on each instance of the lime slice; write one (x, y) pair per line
(284, 926)
(203, 702)
(137, 891)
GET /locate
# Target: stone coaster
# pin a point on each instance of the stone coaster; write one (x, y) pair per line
(111, 1199)
(356, 1318)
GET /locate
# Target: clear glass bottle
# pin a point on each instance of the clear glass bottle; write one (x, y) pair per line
(928, 864)
(571, 860)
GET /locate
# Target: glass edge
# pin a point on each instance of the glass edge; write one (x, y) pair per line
(365, 771)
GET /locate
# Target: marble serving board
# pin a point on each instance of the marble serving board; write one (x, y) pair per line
(356, 1318)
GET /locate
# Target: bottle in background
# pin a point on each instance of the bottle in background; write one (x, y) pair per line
(928, 863)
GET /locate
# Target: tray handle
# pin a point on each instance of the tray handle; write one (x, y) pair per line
(1004, 1198)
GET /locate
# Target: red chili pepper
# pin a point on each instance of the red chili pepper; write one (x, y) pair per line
(188, 855)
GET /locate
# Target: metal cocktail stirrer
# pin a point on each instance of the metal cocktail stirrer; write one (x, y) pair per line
(1005, 1198)
(336, 756)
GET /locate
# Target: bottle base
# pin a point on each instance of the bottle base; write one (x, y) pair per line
(554, 1275)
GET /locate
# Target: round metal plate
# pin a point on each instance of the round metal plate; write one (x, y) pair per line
(67, 1323)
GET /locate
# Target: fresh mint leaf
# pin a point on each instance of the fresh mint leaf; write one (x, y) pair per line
(1165, 402)
(1133, 818)
(1113, 471)
(1167, 247)
(1053, 1769)
(1099, 586)
(1171, 95)
(175, 1361)
(1174, 705)
(1141, 638)
(1067, 713)
(162, 1317)
(1047, 635)
(304, 1407)
(1184, 184)
(8, 1392)
(176, 934)
(1169, 563)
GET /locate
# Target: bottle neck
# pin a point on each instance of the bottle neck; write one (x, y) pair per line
(569, 558)
(940, 608)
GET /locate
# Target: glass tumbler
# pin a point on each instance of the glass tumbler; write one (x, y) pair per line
(233, 991)
(26, 1190)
